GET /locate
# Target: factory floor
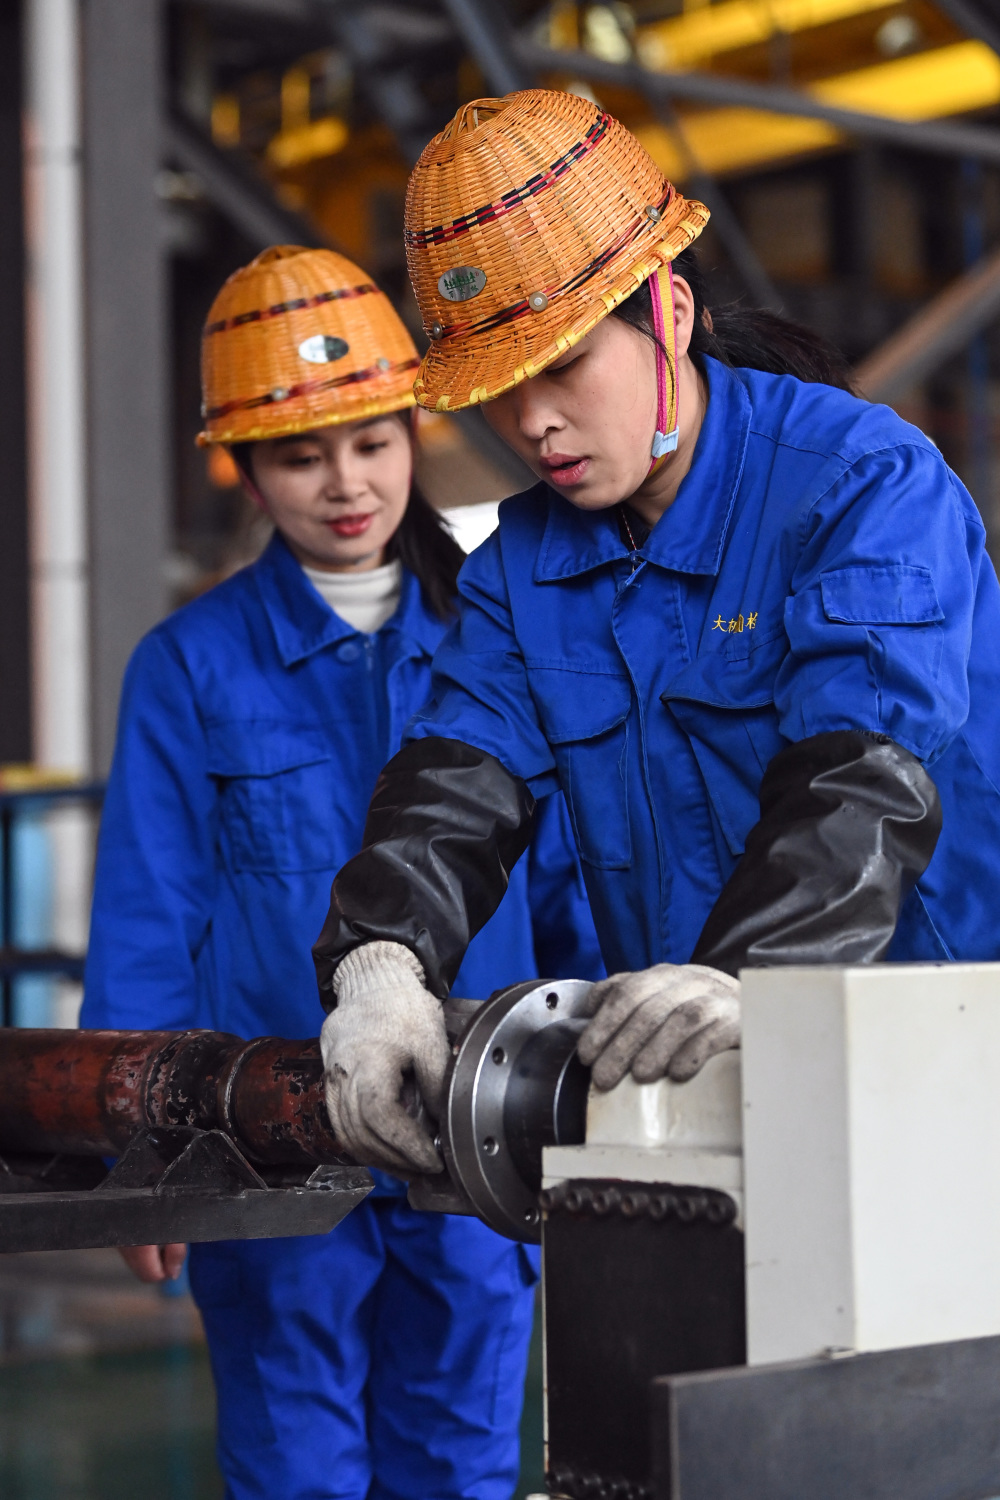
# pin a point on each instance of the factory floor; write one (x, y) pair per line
(105, 1390)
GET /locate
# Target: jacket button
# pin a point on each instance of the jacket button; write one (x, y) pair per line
(348, 651)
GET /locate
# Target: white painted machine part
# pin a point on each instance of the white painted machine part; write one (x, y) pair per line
(872, 1140)
(684, 1133)
(704, 1113)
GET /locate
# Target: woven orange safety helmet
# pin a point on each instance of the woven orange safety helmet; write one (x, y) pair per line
(527, 220)
(301, 339)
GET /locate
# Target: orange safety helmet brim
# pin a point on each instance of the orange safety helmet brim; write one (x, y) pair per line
(528, 219)
(300, 339)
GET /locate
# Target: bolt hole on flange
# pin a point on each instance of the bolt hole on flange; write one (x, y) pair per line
(516, 1086)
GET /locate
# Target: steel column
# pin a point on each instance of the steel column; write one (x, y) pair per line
(127, 370)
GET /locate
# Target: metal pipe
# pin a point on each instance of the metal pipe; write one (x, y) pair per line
(87, 1093)
(60, 584)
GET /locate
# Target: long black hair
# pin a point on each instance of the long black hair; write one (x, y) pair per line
(749, 337)
(421, 542)
(426, 547)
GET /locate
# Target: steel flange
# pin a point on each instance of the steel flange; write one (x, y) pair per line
(516, 1085)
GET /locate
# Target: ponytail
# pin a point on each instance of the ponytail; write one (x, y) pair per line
(746, 337)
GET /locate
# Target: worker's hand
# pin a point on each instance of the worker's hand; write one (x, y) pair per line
(154, 1262)
(666, 1021)
(386, 1024)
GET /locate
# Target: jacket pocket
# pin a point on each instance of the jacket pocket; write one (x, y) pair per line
(276, 790)
(724, 703)
(585, 719)
(891, 595)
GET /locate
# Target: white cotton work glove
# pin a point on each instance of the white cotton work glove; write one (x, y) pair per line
(386, 1024)
(666, 1021)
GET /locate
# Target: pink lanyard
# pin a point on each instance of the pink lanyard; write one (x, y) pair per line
(667, 395)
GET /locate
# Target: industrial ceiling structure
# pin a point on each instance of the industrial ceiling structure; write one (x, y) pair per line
(849, 151)
(713, 90)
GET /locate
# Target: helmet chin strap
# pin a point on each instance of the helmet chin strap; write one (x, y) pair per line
(667, 395)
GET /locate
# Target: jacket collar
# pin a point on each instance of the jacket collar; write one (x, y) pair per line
(303, 623)
(690, 536)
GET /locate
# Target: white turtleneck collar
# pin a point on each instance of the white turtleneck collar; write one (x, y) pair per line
(364, 600)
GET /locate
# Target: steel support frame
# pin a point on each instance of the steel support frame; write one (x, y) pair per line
(168, 1185)
(234, 188)
(939, 137)
(282, 10)
(973, 19)
(483, 29)
(736, 243)
(940, 329)
(390, 86)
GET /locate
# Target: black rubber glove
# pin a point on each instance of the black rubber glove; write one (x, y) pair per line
(446, 826)
(848, 824)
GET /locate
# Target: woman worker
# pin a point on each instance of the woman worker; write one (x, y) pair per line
(745, 621)
(385, 1360)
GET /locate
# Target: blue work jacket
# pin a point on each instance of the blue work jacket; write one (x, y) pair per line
(820, 569)
(253, 725)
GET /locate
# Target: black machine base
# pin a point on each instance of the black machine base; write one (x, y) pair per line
(904, 1424)
(640, 1280)
(169, 1185)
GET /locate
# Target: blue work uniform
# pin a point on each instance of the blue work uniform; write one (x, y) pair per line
(385, 1360)
(820, 569)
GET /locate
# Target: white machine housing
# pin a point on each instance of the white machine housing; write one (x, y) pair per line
(689, 1134)
(868, 1181)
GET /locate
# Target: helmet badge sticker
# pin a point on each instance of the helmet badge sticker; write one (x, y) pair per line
(321, 349)
(461, 283)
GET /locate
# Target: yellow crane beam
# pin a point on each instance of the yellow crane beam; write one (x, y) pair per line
(943, 81)
(693, 39)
